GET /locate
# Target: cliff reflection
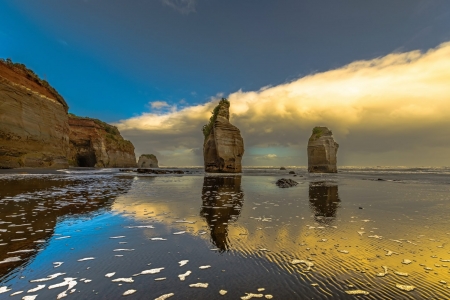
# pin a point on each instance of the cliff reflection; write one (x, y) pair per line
(324, 201)
(30, 208)
(222, 199)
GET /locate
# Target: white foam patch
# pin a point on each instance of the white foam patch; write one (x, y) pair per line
(308, 264)
(118, 250)
(179, 232)
(183, 262)
(158, 239)
(357, 292)
(204, 267)
(141, 226)
(151, 271)
(4, 289)
(129, 292)
(57, 264)
(39, 287)
(117, 237)
(406, 288)
(199, 285)
(29, 297)
(16, 293)
(22, 251)
(10, 259)
(183, 276)
(86, 258)
(161, 278)
(127, 280)
(251, 295)
(49, 277)
(164, 297)
(110, 274)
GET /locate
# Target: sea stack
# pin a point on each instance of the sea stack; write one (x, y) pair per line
(147, 161)
(322, 151)
(223, 147)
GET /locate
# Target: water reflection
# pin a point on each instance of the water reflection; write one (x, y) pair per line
(324, 201)
(31, 206)
(222, 199)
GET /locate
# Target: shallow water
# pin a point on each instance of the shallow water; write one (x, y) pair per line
(344, 235)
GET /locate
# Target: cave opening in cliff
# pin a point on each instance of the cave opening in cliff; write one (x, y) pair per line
(86, 160)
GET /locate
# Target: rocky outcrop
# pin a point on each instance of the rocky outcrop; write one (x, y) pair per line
(223, 147)
(34, 129)
(322, 151)
(286, 183)
(94, 143)
(147, 161)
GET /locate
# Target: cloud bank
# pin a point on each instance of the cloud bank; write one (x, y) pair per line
(392, 110)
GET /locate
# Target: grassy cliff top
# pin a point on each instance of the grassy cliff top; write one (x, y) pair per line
(318, 132)
(208, 127)
(18, 73)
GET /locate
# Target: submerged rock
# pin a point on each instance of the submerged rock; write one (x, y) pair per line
(286, 183)
(148, 161)
(322, 151)
(223, 147)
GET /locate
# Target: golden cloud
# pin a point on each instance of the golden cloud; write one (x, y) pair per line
(393, 103)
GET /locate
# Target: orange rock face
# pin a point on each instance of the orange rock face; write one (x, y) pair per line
(94, 143)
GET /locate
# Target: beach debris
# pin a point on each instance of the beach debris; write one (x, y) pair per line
(443, 281)
(4, 289)
(361, 233)
(151, 271)
(445, 260)
(406, 288)
(406, 261)
(183, 262)
(129, 292)
(110, 274)
(127, 280)
(204, 267)
(308, 264)
(165, 296)
(223, 292)
(39, 287)
(389, 252)
(357, 292)
(261, 289)
(87, 258)
(268, 296)
(401, 274)
(376, 237)
(199, 285)
(183, 276)
(384, 273)
(251, 295)
(49, 277)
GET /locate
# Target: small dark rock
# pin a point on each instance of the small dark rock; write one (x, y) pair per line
(360, 207)
(282, 168)
(291, 172)
(380, 179)
(286, 183)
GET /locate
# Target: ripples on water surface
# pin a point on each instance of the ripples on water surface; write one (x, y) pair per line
(377, 233)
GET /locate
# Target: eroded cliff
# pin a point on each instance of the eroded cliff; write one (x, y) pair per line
(322, 151)
(34, 129)
(94, 143)
(223, 147)
(148, 161)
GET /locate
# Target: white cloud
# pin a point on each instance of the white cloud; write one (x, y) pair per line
(378, 109)
(158, 104)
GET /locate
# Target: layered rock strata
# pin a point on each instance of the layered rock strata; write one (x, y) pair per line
(223, 147)
(34, 129)
(94, 143)
(147, 161)
(322, 151)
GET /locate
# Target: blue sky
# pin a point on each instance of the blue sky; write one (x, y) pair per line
(111, 58)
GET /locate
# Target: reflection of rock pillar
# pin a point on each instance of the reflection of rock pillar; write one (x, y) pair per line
(222, 200)
(323, 199)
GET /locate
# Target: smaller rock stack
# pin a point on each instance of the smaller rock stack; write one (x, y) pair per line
(322, 151)
(148, 161)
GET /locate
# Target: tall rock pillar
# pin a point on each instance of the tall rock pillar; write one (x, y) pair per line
(223, 147)
(322, 151)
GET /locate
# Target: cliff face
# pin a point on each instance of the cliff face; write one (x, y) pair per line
(34, 129)
(94, 143)
(224, 147)
(147, 161)
(322, 151)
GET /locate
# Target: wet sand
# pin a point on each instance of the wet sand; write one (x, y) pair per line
(328, 237)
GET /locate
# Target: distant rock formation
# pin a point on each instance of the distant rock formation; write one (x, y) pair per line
(147, 161)
(94, 143)
(223, 147)
(34, 129)
(322, 151)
